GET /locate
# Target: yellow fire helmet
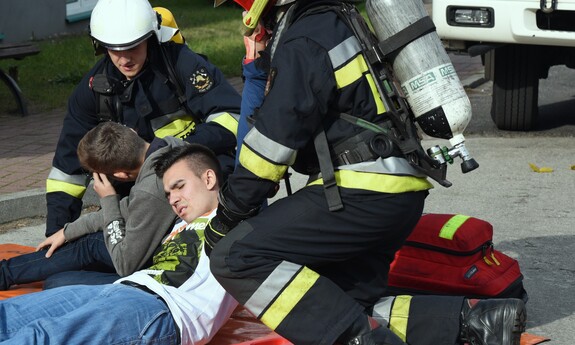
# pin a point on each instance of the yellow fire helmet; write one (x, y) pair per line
(169, 21)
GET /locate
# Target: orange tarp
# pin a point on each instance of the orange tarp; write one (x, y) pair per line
(7, 251)
(244, 329)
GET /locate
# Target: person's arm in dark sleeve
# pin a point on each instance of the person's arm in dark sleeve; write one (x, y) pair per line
(212, 99)
(291, 114)
(66, 183)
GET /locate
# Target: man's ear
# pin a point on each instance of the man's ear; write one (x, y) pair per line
(121, 175)
(210, 179)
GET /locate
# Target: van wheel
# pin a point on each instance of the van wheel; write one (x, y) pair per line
(514, 71)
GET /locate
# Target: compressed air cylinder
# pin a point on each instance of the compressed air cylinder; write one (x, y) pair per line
(425, 72)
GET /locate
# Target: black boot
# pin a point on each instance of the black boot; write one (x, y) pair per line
(360, 333)
(492, 321)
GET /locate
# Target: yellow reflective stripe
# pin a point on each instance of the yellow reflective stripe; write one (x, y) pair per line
(400, 316)
(351, 72)
(378, 182)
(354, 70)
(228, 122)
(261, 167)
(179, 128)
(448, 230)
(74, 190)
(289, 298)
(377, 98)
(273, 285)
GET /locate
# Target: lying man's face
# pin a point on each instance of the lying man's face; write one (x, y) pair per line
(190, 195)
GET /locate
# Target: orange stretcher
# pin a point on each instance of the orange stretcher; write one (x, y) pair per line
(241, 329)
(7, 251)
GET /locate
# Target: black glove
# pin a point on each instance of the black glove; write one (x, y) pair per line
(224, 221)
(215, 231)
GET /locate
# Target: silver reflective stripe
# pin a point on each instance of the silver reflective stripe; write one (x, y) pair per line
(213, 116)
(344, 51)
(390, 165)
(269, 149)
(280, 28)
(271, 287)
(59, 175)
(161, 121)
(382, 310)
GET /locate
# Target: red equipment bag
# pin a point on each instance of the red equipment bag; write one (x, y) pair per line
(453, 254)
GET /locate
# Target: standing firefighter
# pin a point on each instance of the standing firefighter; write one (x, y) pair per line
(146, 81)
(313, 266)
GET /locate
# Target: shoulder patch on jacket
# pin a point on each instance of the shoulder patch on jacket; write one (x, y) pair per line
(201, 80)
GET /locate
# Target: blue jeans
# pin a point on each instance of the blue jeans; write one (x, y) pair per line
(80, 278)
(87, 314)
(87, 252)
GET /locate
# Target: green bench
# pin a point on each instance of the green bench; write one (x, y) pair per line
(16, 51)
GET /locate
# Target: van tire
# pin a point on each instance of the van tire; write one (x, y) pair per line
(514, 71)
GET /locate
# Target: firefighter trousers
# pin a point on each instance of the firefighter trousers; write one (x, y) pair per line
(421, 320)
(308, 273)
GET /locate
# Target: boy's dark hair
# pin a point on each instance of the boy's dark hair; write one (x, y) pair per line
(111, 147)
(199, 158)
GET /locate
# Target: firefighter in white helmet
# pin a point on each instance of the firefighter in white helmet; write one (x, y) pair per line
(313, 266)
(148, 80)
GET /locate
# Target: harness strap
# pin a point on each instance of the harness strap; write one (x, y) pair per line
(376, 140)
(393, 44)
(176, 82)
(326, 167)
(354, 150)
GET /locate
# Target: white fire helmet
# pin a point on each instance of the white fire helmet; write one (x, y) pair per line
(123, 24)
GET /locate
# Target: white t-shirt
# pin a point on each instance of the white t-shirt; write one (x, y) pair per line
(200, 306)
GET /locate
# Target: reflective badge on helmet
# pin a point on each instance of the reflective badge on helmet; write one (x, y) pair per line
(201, 80)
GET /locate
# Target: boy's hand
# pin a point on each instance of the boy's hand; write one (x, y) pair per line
(102, 186)
(54, 242)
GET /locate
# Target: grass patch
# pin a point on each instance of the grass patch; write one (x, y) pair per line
(48, 79)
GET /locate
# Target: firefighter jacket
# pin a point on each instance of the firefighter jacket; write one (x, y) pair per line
(149, 104)
(317, 71)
